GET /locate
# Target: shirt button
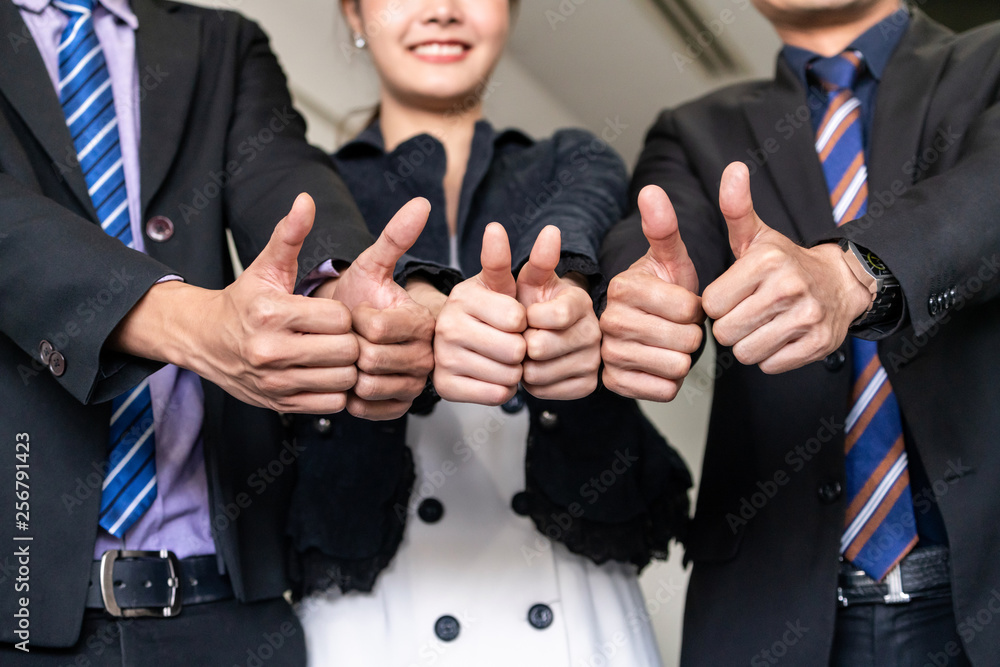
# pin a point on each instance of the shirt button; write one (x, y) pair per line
(829, 492)
(57, 364)
(431, 510)
(835, 361)
(160, 228)
(514, 405)
(548, 420)
(540, 616)
(45, 350)
(323, 425)
(447, 628)
(521, 503)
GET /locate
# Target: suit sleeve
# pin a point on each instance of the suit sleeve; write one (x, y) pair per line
(666, 161)
(262, 192)
(67, 282)
(944, 232)
(588, 185)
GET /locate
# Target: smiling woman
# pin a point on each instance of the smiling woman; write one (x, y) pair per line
(504, 525)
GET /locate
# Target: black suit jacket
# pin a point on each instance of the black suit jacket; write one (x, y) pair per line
(221, 148)
(770, 511)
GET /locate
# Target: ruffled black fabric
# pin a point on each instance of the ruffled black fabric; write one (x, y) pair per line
(349, 506)
(602, 480)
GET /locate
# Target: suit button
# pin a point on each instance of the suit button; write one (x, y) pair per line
(835, 361)
(45, 351)
(521, 503)
(548, 420)
(431, 510)
(447, 628)
(57, 364)
(323, 425)
(829, 492)
(540, 616)
(160, 228)
(515, 404)
(932, 305)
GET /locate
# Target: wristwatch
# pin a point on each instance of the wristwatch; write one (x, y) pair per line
(887, 308)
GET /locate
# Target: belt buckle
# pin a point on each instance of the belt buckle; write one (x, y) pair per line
(108, 584)
(894, 581)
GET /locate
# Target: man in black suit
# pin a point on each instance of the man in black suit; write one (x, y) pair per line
(201, 123)
(811, 545)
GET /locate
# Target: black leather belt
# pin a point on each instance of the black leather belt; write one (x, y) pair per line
(924, 573)
(154, 583)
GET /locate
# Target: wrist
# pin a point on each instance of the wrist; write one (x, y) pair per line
(424, 293)
(858, 289)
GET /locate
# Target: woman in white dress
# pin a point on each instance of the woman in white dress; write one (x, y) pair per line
(468, 534)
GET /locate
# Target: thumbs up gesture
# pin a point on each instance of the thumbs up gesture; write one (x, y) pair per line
(479, 346)
(394, 332)
(652, 323)
(563, 338)
(780, 305)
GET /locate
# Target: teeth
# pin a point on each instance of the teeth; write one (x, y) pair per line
(438, 49)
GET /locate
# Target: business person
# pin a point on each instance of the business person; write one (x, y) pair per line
(142, 455)
(505, 524)
(847, 506)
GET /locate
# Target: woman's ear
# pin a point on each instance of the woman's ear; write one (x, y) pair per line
(352, 12)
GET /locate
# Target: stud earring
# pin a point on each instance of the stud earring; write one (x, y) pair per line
(359, 41)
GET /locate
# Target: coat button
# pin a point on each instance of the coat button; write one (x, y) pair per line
(431, 510)
(521, 503)
(829, 492)
(57, 364)
(160, 228)
(540, 616)
(835, 361)
(932, 305)
(548, 420)
(447, 628)
(45, 351)
(514, 405)
(322, 425)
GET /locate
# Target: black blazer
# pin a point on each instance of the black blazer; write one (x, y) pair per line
(934, 218)
(214, 108)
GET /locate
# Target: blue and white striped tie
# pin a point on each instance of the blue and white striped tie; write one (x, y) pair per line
(85, 92)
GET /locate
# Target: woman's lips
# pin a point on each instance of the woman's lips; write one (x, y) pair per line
(441, 52)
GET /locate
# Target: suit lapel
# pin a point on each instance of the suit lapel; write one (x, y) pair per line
(904, 96)
(25, 83)
(167, 48)
(794, 168)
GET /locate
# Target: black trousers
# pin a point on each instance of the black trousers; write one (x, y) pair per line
(921, 633)
(216, 634)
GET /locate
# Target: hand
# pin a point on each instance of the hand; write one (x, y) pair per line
(394, 332)
(254, 339)
(563, 338)
(652, 323)
(779, 305)
(479, 346)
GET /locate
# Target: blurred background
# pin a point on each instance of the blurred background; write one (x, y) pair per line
(573, 63)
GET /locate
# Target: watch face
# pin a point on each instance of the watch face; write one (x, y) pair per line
(875, 263)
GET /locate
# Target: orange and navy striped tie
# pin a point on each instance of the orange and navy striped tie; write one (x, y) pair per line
(880, 527)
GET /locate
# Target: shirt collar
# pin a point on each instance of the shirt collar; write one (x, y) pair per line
(371, 138)
(876, 45)
(122, 9)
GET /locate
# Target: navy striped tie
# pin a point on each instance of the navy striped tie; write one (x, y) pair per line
(880, 527)
(85, 92)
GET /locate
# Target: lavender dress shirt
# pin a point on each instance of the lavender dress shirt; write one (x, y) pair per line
(178, 519)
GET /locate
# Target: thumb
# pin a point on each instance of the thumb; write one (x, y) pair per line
(279, 260)
(396, 239)
(544, 258)
(495, 258)
(659, 225)
(736, 204)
